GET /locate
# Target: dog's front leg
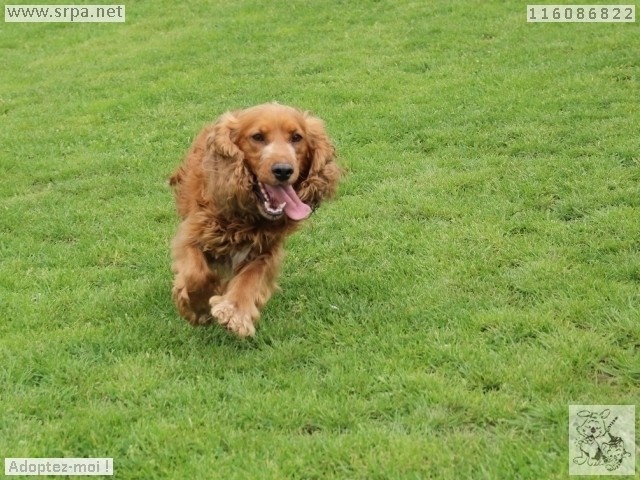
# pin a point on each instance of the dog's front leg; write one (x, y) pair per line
(247, 292)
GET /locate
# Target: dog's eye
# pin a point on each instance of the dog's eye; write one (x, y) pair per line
(258, 137)
(296, 137)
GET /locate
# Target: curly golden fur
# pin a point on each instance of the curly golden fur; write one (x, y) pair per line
(247, 183)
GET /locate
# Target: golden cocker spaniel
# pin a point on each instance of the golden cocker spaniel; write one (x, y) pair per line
(247, 182)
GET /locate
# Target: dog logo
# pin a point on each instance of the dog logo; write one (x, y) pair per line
(603, 442)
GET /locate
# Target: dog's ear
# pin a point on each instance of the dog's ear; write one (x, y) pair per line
(321, 181)
(221, 140)
(224, 159)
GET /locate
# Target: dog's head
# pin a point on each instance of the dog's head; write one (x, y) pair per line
(593, 425)
(273, 160)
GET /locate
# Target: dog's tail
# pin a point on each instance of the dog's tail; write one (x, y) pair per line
(176, 178)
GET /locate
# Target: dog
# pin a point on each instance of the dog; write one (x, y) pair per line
(248, 182)
(595, 433)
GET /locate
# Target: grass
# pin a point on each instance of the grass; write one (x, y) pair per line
(478, 273)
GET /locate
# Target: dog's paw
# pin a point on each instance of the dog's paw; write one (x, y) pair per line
(231, 318)
(183, 303)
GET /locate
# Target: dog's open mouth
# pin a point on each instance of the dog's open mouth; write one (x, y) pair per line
(275, 201)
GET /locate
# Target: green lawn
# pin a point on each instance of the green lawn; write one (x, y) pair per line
(478, 273)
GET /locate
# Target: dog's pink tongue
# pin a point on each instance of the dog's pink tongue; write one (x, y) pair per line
(294, 208)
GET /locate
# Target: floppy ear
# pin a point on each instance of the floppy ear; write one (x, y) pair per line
(224, 159)
(221, 139)
(323, 175)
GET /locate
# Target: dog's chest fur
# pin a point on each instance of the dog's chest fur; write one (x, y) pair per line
(239, 257)
(229, 253)
(229, 245)
(230, 262)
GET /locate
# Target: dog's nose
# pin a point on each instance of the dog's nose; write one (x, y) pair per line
(282, 171)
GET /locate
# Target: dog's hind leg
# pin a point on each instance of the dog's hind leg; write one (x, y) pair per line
(194, 282)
